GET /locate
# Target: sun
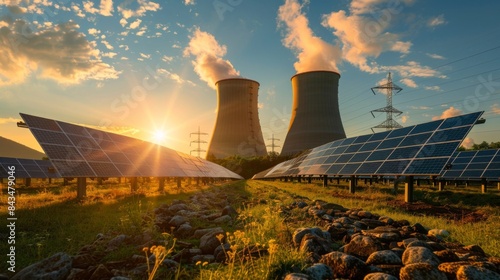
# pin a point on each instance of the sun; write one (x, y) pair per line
(159, 136)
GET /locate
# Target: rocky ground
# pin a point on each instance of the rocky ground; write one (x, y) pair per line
(344, 244)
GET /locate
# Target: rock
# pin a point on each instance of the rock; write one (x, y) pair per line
(209, 241)
(365, 214)
(184, 231)
(419, 243)
(319, 271)
(330, 206)
(57, 266)
(475, 250)
(384, 233)
(220, 252)
(301, 204)
(419, 255)
(177, 220)
(468, 272)
(451, 268)
(223, 219)
(296, 276)
(419, 228)
(200, 232)
(299, 233)
(77, 274)
(384, 257)
(372, 223)
(445, 256)
(203, 258)
(229, 210)
(315, 212)
(345, 266)
(83, 261)
(362, 246)
(379, 276)
(177, 207)
(315, 245)
(421, 271)
(116, 242)
(120, 278)
(101, 272)
(386, 220)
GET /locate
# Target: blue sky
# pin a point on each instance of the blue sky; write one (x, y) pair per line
(137, 67)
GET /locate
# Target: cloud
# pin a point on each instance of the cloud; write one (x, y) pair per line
(189, 2)
(143, 55)
(436, 21)
(420, 107)
(409, 82)
(123, 22)
(16, 10)
(144, 6)
(93, 31)
(495, 108)
(9, 120)
(75, 60)
(167, 58)
(434, 88)
(405, 118)
(468, 143)
(77, 10)
(173, 76)
(135, 24)
(313, 53)
(107, 44)
(123, 130)
(448, 113)
(209, 63)
(109, 54)
(435, 56)
(106, 7)
(88, 6)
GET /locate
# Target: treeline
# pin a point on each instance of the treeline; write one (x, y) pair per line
(482, 146)
(247, 167)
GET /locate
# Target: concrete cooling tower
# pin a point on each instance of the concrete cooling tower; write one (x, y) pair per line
(237, 129)
(315, 112)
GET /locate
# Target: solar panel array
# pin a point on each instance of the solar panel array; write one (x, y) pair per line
(78, 151)
(422, 149)
(28, 168)
(469, 165)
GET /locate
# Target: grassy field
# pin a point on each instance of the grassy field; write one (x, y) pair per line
(50, 220)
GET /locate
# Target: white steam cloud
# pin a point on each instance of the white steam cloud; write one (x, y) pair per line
(312, 52)
(209, 63)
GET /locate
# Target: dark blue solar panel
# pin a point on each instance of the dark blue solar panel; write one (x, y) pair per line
(460, 120)
(407, 152)
(477, 159)
(426, 166)
(332, 159)
(400, 132)
(353, 148)
(370, 146)
(393, 167)
(390, 143)
(369, 167)
(453, 174)
(344, 158)
(480, 166)
(461, 166)
(449, 135)
(490, 153)
(349, 169)
(494, 165)
(379, 155)
(438, 150)
(334, 169)
(493, 173)
(330, 151)
(472, 173)
(426, 127)
(462, 160)
(413, 140)
(362, 139)
(51, 137)
(360, 157)
(379, 136)
(348, 141)
(341, 150)
(335, 143)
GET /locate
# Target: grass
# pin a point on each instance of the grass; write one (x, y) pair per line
(50, 220)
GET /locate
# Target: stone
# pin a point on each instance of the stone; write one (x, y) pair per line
(220, 252)
(419, 255)
(386, 220)
(101, 272)
(362, 246)
(319, 271)
(116, 242)
(445, 256)
(77, 274)
(418, 243)
(301, 204)
(200, 232)
(345, 266)
(83, 261)
(177, 207)
(468, 272)
(209, 241)
(120, 278)
(451, 268)
(299, 233)
(419, 228)
(475, 250)
(177, 221)
(384, 233)
(223, 219)
(441, 233)
(297, 276)
(229, 210)
(379, 276)
(184, 231)
(202, 258)
(421, 271)
(365, 214)
(383, 257)
(57, 266)
(314, 245)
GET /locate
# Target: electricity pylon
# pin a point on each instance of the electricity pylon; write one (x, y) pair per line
(198, 141)
(389, 122)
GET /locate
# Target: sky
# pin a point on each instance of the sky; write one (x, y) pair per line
(147, 69)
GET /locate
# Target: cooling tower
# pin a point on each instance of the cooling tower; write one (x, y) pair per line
(237, 129)
(315, 112)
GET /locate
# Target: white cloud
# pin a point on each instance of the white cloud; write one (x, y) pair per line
(123, 22)
(9, 120)
(405, 118)
(88, 6)
(106, 7)
(135, 24)
(144, 6)
(76, 58)
(189, 2)
(420, 107)
(435, 56)
(93, 31)
(436, 21)
(167, 58)
(209, 63)
(77, 10)
(107, 44)
(109, 54)
(448, 113)
(409, 82)
(147, 56)
(433, 88)
(173, 76)
(313, 53)
(125, 47)
(468, 143)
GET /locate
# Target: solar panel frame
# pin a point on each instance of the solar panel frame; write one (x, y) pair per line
(474, 165)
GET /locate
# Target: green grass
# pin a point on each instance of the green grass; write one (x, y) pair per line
(50, 220)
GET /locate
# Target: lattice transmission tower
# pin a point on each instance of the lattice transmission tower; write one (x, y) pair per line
(272, 143)
(388, 88)
(198, 141)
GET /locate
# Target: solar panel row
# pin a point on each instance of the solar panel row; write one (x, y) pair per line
(78, 151)
(469, 165)
(423, 149)
(28, 168)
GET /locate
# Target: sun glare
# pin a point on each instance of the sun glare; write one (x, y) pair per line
(159, 136)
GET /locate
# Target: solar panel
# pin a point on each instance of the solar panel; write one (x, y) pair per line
(28, 168)
(77, 151)
(474, 165)
(423, 149)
